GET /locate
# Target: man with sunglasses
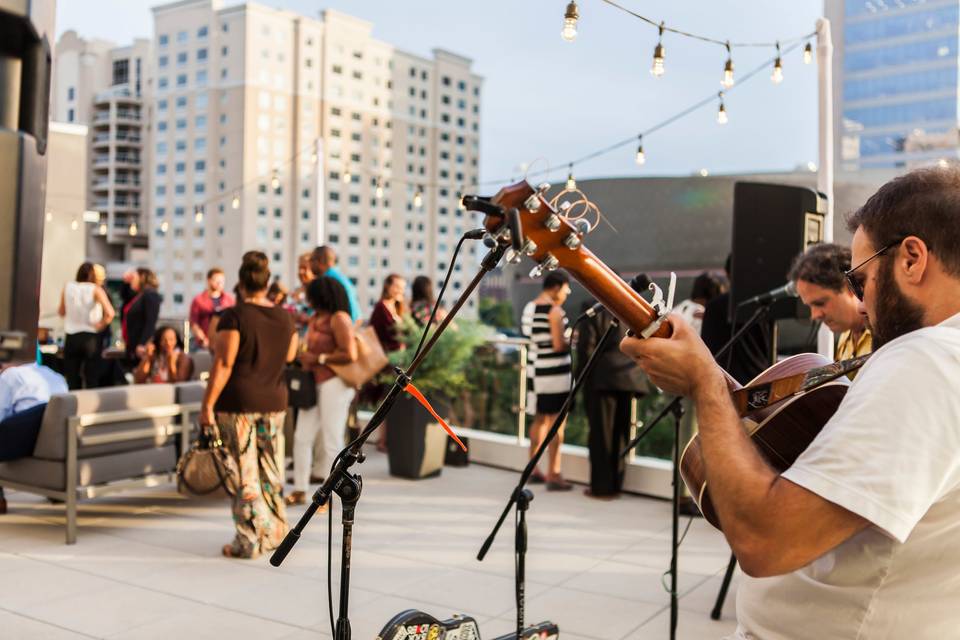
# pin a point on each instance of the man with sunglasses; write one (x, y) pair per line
(858, 539)
(819, 275)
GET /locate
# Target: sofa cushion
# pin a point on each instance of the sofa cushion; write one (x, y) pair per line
(51, 474)
(52, 444)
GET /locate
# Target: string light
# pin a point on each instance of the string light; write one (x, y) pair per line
(275, 181)
(641, 158)
(808, 54)
(133, 229)
(657, 69)
(49, 216)
(103, 228)
(777, 75)
(314, 153)
(235, 203)
(378, 193)
(571, 183)
(460, 204)
(722, 111)
(570, 17)
(727, 81)
(418, 199)
(198, 215)
(346, 177)
(74, 225)
(164, 226)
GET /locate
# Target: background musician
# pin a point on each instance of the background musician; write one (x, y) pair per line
(858, 538)
(818, 274)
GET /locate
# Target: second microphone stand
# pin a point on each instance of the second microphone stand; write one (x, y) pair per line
(348, 485)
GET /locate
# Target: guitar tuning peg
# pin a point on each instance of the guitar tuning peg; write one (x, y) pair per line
(564, 206)
(536, 272)
(582, 226)
(552, 222)
(543, 187)
(513, 257)
(532, 204)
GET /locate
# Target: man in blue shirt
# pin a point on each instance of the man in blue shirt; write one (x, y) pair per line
(22, 388)
(323, 262)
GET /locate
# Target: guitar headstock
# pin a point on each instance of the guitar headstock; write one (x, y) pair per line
(549, 239)
(553, 241)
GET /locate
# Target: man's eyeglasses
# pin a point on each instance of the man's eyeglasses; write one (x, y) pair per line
(856, 284)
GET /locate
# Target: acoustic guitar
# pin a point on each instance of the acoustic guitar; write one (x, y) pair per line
(782, 410)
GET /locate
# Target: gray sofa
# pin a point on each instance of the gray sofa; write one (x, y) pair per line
(99, 441)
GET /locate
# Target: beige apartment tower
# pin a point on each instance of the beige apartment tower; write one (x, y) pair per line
(278, 132)
(107, 88)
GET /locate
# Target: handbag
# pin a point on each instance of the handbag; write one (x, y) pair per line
(371, 359)
(301, 388)
(208, 468)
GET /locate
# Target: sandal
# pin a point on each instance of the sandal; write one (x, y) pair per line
(558, 484)
(537, 477)
(295, 498)
(229, 551)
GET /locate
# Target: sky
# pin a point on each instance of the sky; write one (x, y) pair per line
(546, 100)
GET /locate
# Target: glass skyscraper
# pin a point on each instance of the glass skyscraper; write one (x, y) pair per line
(895, 77)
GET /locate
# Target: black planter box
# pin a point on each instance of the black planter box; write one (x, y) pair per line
(416, 445)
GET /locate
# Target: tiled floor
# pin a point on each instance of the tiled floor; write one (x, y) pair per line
(147, 565)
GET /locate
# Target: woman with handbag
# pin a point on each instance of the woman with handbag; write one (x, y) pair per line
(246, 400)
(330, 341)
(86, 311)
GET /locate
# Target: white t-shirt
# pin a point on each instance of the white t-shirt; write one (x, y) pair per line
(891, 454)
(83, 310)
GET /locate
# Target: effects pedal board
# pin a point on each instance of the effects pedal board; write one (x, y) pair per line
(417, 625)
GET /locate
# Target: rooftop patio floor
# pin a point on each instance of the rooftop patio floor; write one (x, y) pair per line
(147, 565)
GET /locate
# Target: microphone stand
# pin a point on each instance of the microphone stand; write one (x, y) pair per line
(521, 497)
(347, 485)
(676, 409)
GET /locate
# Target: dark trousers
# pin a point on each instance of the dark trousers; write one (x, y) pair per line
(81, 360)
(608, 413)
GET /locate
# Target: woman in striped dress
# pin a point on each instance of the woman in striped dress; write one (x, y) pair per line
(545, 323)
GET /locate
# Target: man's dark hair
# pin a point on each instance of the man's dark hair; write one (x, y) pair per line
(327, 294)
(923, 203)
(707, 286)
(214, 271)
(823, 265)
(555, 279)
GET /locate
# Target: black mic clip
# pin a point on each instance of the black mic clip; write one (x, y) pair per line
(483, 205)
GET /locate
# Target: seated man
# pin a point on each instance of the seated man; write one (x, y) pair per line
(857, 539)
(24, 390)
(818, 273)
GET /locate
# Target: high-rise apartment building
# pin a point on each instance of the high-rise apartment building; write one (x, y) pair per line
(895, 82)
(279, 132)
(106, 88)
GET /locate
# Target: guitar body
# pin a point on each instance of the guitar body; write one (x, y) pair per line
(780, 432)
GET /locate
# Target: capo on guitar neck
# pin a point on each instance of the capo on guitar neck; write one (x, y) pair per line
(662, 309)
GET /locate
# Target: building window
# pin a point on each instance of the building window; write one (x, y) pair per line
(200, 165)
(163, 39)
(262, 212)
(181, 123)
(201, 122)
(182, 102)
(161, 169)
(181, 36)
(278, 212)
(181, 145)
(70, 115)
(178, 211)
(202, 32)
(182, 58)
(201, 55)
(337, 69)
(162, 61)
(182, 80)
(161, 105)
(161, 190)
(162, 82)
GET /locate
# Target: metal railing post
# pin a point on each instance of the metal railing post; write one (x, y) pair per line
(635, 424)
(522, 402)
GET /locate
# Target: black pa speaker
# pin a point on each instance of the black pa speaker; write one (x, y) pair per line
(772, 224)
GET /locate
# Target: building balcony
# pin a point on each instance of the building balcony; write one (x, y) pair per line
(128, 160)
(125, 205)
(128, 116)
(101, 185)
(101, 161)
(101, 203)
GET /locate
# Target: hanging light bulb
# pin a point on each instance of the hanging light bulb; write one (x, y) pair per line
(103, 228)
(198, 215)
(49, 216)
(727, 81)
(133, 229)
(235, 203)
(74, 225)
(274, 180)
(571, 183)
(378, 193)
(570, 18)
(777, 75)
(460, 204)
(641, 158)
(722, 111)
(657, 69)
(164, 226)
(418, 199)
(808, 54)
(315, 153)
(346, 177)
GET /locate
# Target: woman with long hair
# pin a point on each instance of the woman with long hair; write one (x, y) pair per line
(86, 311)
(164, 359)
(246, 398)
(422, 301)
(330, 340)
(389, 311)
(140, 314)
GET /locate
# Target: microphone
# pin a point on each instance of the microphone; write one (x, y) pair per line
(638, 284)
(475, 234)
(788, 290)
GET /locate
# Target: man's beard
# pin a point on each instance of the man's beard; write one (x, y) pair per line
(896, 314)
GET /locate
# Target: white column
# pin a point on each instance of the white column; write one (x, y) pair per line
(825, 138)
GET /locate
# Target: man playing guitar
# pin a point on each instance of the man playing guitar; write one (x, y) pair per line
(858, 539)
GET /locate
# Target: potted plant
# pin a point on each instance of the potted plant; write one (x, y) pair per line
(416, 445)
